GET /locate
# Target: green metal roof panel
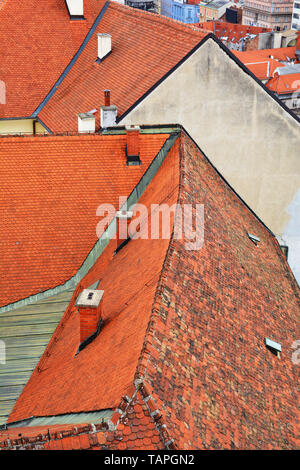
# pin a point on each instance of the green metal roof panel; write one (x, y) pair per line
(26, 332)
(93, 417)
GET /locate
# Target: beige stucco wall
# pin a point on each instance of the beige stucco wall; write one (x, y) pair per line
(20, 126)
(252, 141)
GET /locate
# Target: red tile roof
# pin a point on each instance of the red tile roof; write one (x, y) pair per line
(37, 42)
(233, 32)
(129, 281)
(285, 84)
(264, 68)
(145, 47)
(190, 325)
(51, 187)
(280, 54)
(135, 429)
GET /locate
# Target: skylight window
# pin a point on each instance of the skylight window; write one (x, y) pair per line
(274, 347)
(254, 239)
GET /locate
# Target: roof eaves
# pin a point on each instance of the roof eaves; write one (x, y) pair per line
(72, 62)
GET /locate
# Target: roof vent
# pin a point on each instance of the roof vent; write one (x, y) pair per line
(75, 9)
(274, 347)
(87, 121)
(133, 145)
(123, 219)
(89, 305)
(254, 238)
(108, 112)
(104, 45)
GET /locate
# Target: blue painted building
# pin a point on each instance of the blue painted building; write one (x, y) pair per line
(181, 11)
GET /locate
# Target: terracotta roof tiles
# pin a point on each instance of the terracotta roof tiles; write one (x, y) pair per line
(51, 188)
(32, 58)
(145, 47)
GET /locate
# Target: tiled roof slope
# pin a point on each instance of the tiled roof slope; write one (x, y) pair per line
(285, 84)
(50, 190)
(145, 47)
(26, 332)
(136, 429)
(263, 68)
(282, 53)
(37, 41)
(101, 373)
(206, 314)
(205, 355)
(232, 32)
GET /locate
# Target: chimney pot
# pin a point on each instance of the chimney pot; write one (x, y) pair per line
(106, 97)
(89, 305)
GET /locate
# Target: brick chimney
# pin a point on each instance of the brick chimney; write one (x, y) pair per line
(108, 112)
(133, 145)
(123, 219)
(89, 305)
(75, 9)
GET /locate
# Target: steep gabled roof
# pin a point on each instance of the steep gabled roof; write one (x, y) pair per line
(37, 42)
(51, 188)
(107, 366)
(189, 325)
(145, 47)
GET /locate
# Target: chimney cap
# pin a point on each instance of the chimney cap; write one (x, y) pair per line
(89, 298)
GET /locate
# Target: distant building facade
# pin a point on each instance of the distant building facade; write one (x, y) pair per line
(266, 14)
(213, 10)
(181, 10)
(296, 15)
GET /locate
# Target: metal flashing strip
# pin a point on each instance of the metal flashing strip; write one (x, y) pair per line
(91, 417)
(26, 333)
(70, 65)
(109, 233)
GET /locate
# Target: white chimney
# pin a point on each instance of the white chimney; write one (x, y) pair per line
(104, 45)
(75, 7)
(87, 122)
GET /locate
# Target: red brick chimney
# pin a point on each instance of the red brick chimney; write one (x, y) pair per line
(106, 97)
(133, 145)
(123, 219)
(89, 305)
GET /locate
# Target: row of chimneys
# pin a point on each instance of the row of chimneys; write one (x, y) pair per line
(108, 116)
(89, 302)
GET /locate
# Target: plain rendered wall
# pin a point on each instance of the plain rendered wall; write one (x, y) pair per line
(246, 134)
(20, 126)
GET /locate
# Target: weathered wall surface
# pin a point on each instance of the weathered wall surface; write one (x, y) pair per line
(247, 135)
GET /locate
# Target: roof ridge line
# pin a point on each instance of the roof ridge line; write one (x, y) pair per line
(72, 62)
(156, 18)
